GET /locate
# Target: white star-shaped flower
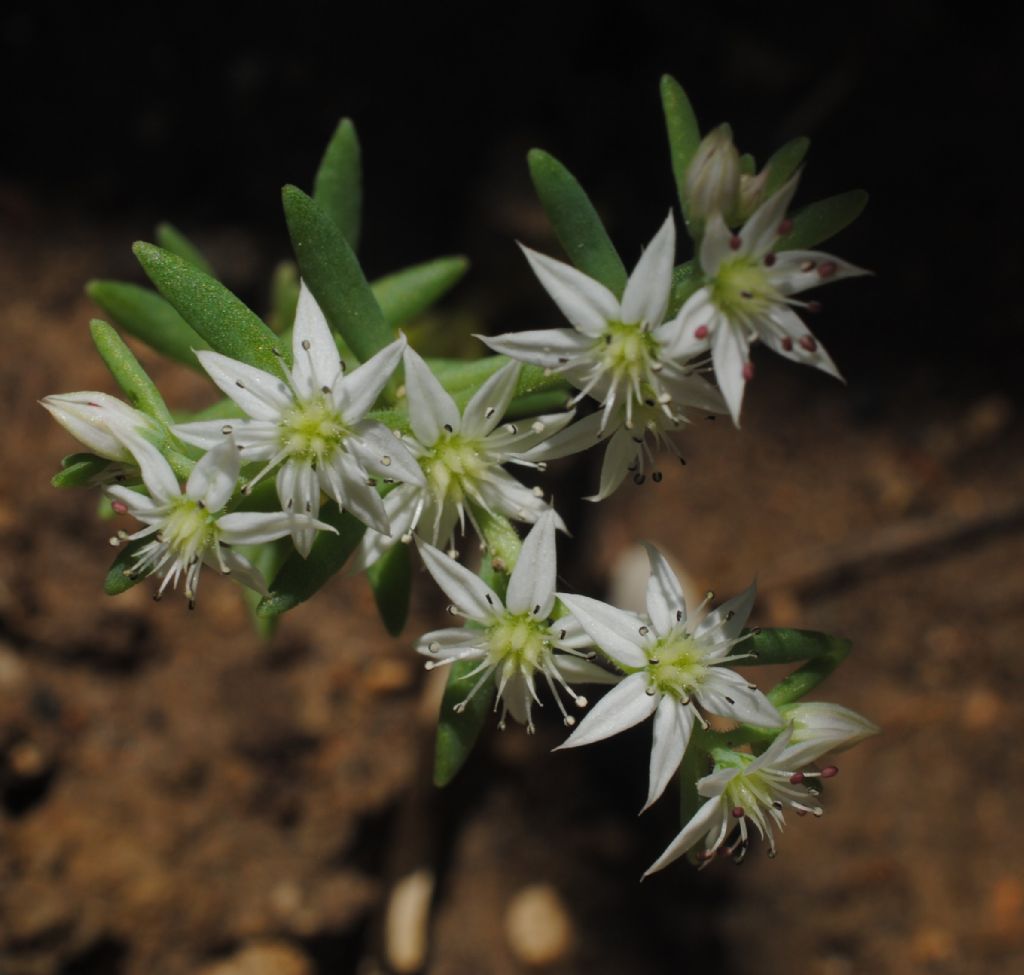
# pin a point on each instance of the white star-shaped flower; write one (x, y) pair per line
(188, 529)
(742, 788)
(674, 664)
(312, 422)
(820, 728)
(461, 457)
(748, 295)
(516, 640)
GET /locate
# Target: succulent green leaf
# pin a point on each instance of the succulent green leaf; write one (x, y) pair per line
(748, 164)
(171, 239)
(828, 652)
(300, 578)
(783, 163)
(284, 296)
(147, 316)
(391, 580)
(578, 227)
(78, 470)
(267, 559)
(332, 272)
(695, 765)
(411, 291)
(118, 581)
(128, 372)
(229, 326)
(786, 646)
(683, 131)
(539, 402)
(686, 279)
(457, 732)
(819, 221)
(338, 185)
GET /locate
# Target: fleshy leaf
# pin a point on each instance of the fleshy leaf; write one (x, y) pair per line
(78, 470)
(391, 580)
(748, 164)
(171, 239)
(578, 227)
(331, 271)
(411, 291)
(783, 163)
(267, 559)
(147, 316)
(819, 221)
(300, 578)
(686, 279)
(683, 131)
(338, 185)
(117, 581)
(284, 296)
(127, 370)
(457, 732)
(226, 323)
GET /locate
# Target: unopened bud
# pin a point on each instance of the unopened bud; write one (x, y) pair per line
(820, 728)
(751, 195)
(96, 420)
(713, 177)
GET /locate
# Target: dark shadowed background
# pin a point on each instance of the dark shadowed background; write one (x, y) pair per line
(178, 798)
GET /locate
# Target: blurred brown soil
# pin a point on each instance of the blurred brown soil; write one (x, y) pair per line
(177, 797)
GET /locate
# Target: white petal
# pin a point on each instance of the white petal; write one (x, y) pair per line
(356, 393)
(298, 490)
(531, 587)
(729, 619)
(531, 433)
(213, 479)
(346, 481)
(576, 638)
(468, 592)
(789, 325)
(383, 454)
(95, 419)
(692, 390)
(316, 363)
(257, 527)
(761, 231)
(820, 728)
(139, 506)
(622, 707)
(503, 493)
(240, 568)
(678, 337)
(490, 401)
(156, 472)
(673, 723)
(769, 758)
(664, 594)
(516, 696)
(247, 433)
(726, 693)
(261, 395)
(401, 506)
(552, 348)
(576, 670)
(703, 822)
(714, 248)
(615, 631)
(730, 354)
(572, 440)
(619, 457)
(431, 408)
(646, 296)
(586, 303)
(796, 271)
(447, 642)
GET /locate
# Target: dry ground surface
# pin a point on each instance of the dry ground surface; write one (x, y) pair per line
(179, 798)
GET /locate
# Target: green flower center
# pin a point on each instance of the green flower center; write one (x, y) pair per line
(676, 665)
(628, 349)
(741, 288)
(189, 529)
(312, 430)
(520, 640)
(452, 464)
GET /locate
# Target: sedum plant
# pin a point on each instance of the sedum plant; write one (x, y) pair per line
(330, 442)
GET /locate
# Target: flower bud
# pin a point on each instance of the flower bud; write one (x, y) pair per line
(751, 195)
(713, 177)
(96, 420)
(819, 728)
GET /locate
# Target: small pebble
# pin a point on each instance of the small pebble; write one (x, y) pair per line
(538, 926)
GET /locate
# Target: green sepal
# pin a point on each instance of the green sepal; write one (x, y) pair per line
(411, 291)
(683, 132)
(171, 239)
(117, 581)
(391, 581)
(147, 316)
(783, 163)
(78, 470)
(300, 578)
(748, 165)
(128, 372)
(577, 225)
(338, 184)
(332, 273)
(686, 280)
(284, 296)
(221, 318)
(457, 732)
(819, 221)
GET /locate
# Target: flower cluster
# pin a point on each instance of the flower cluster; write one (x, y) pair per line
(404, 452)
